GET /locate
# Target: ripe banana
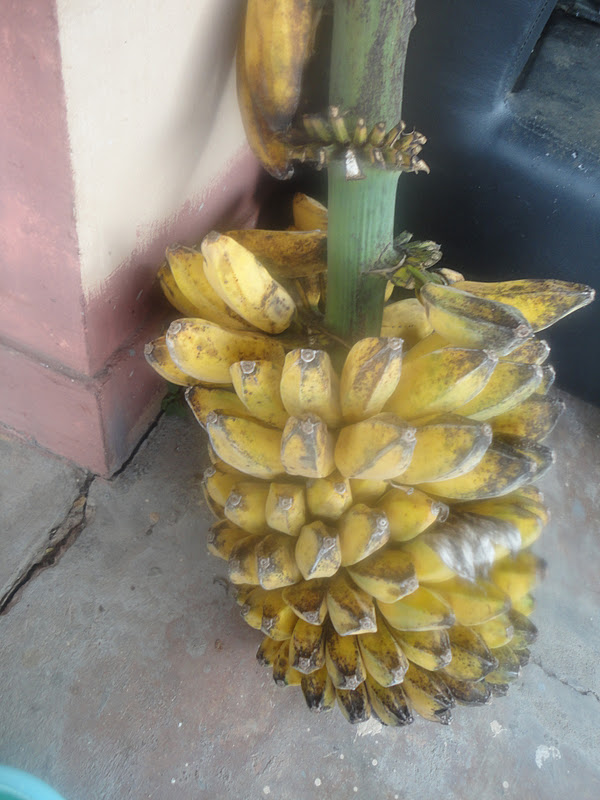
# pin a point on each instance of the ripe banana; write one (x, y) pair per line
(429, 567)
(309, 385)
(528, 523)
(223, 537)
(242, 564)
(532, 351)
(328, 498)
(286, 254)
(534, 418)
(343, 660)
(498, 631)
(382, 656)
(308, 600)
(407, 320)
(427, 649)
(387, 575)
(267, 651)
(203, 400)
(473, 602)
(361, 531)
(276, 563)
(284, 673)
(446, 447)
(469, 321)
(319, 691)
(511, 383)
(350, 609)
(307, 647)
(525, 632)
(389, 704)
(318, 553)
(354, 704)
(309, 214)
(247, 445)
(542, 302)
(278, 620)
(285, 508)
(517, 576)
(244, 284)
(508, 670)
(410, 512)
(367, 491)
(157, 355)
(472, 659)
(467, 693)
(256, 383)
(174, 294)
(428, 695)
(245, 505)
(219, 484)
(440, 381)
(307, 447)
(369, 377)
(206, 351)
(422, 610)
(377, 448)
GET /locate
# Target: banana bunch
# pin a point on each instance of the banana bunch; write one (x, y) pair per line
(375, 506)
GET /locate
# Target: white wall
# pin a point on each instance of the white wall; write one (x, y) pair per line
(152, 115)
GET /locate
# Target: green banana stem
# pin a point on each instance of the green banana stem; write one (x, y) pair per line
(370, 41)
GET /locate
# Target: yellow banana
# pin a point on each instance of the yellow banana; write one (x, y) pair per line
(247, 445)
(388, 703)
(532, 351)
(328, 498)
(350, 609)
(276, 562)
(278, 620)
(245, 505)
(308, 600)
(525, 632)
(318, 553)
(548, 377)
(469, 321)
(268, 147)
(307, 447)
(510, 384)
(446, 447)
(524, 605)
(369, 377)
(241, 563)
(309, 385)
(219, 483)
(428, 649)
(382, 656)
(203, 400)
(307, 647)
(267, 651)
(377, 448)
(318, 690)
(517, 575)
(472, 659)
(526, 521)
(534, 418)
(309, 214)
(286, 254)
(422, 610)
(244, 284)
(343, 660)
(473, 602)
(187, 268)
(257, 385)
(361, 531)
(406, 319)
(174, 294)
(428, 695)
(440, 381)
(284, 673)
(285, 509)
(157, 355)
(387, 575)
(542, 302)
(508, 670)
(277, 41)
(429, 344)
(428, 565)
(206, 351)
(367, 491)
(467, 693)
(410, 512)
(354, 704)
(252, 607)
(223, 537)
(498, 631)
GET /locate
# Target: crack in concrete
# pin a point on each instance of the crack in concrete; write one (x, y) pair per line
(138, 446)
(59, 540)
(564, 681)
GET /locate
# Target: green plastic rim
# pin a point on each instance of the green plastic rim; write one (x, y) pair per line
(18, 785)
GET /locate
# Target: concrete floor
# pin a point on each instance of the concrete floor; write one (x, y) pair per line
(128, 673)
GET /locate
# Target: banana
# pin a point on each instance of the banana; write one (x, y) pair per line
(407, 320)
(387, 575)
(548, 378)
(328, 498)
(382, 656)
(428, 695)
(186, 265)
(467, 693)
(203, 400)
(256, 383)
(245, 505)
(309, 385)
(307, 447)
(446, 447)
(388, 703)
(307, 647)
(498, 631)
(516, 576)
(285, 508)
(427, 649)
(351, 610)
(524, 605)
(369, 377)
(286, 254)
(267, 651)
(270, 150)
(308, 600)
(343, 660)
(278, 620)
(219, 484)
(215, 508)
(284, 673)
(472, 659)
(429, 344)
(174, 294)
(241, 563)
(361, 531)
(422, 610)
(223, 537)
(242, 282)
(469, 321)
(318, 690)
(534, 418)
(428, 565)
(367, 491)
(318, 553)
(206, 351)
(277, 42)
(510, 384)
(532, 351)
(377, 448)
(157, 355)
(541, 302)
(473, 602)
(277, 566)
(508, 669)
(527, 522)
(354, 704)
(249, 446)
(308, 213)
(440, 381)
(410, 512)
(525, 632)
(501, 470)
(252, 607)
